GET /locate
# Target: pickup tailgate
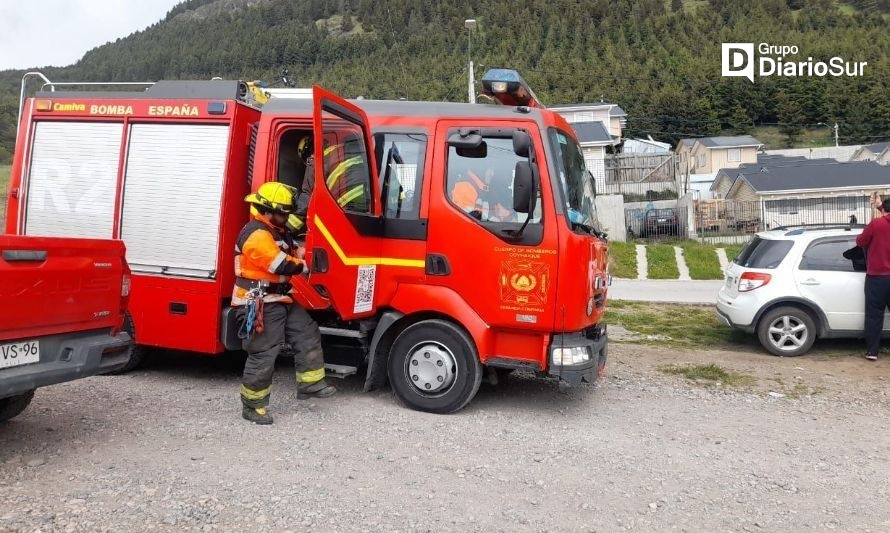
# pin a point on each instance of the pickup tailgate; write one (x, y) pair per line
(59, 285)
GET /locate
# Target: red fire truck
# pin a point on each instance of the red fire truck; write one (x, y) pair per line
(470, 247)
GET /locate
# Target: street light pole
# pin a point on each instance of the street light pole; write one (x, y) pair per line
(470, 24)
(836, 144)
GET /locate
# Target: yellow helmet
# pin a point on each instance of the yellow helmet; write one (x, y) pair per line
(304, 148)
(273, 196)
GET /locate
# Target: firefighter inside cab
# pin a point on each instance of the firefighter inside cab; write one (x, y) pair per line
(339, 164)
(265, 259)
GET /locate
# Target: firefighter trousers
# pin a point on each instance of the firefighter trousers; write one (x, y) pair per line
(285, 324)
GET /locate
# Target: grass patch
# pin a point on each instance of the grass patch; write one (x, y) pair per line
(708, 373)
(4, 185)
(702, 261)
(661, 262)
(732, 250)
(623, 260)
(678, 326)
(773, 139)
(847, 9)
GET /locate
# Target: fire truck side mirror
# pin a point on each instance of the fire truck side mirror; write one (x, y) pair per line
(525, 195)
(522, 143)
(468, 144)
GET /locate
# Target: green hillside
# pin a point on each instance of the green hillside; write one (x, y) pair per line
(659, 59)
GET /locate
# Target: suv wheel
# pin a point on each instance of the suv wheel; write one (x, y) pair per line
(787, 331)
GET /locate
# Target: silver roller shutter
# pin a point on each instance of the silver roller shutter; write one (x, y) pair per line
(172, 194)
(73, 179)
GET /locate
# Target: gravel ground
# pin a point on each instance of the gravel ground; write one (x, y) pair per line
(165, 449)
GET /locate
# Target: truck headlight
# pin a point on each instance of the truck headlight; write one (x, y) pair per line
(590, 303)
(571, 356)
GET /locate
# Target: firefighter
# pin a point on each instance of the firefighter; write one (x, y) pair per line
(473, 195)
(341, 176)
(265, 259)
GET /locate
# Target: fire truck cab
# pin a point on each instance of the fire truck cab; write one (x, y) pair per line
(445, 241)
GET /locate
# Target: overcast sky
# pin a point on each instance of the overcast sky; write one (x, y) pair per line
(37, 33)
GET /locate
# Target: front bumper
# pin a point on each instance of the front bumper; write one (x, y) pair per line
(595, 341)
(68, 357)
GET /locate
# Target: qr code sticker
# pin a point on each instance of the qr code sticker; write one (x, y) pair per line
(364, 288)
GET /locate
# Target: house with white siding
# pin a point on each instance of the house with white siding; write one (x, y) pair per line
(809, 191)
(809, 180)
(598, 126)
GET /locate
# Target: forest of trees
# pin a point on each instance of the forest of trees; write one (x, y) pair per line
(659, 59)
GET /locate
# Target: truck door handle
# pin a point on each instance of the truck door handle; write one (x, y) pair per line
(24, 255)
(810, 281)
(437, 265)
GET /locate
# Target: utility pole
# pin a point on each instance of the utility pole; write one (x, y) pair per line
(470, 24)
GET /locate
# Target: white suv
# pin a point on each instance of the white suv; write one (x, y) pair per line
(790, 286)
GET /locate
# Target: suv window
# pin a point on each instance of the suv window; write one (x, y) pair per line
(828, 255)
(763, 253)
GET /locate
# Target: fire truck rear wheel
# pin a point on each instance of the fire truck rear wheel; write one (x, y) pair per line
(137, 353)
(433, 367)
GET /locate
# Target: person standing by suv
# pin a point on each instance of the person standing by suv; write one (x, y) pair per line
(875, 240)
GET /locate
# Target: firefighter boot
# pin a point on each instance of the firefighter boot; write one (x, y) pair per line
(257, 415)
(319, 389)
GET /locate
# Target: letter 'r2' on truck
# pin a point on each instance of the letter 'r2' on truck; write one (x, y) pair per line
(445, 241)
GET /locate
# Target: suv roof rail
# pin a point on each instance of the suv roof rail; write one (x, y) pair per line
(800, 229)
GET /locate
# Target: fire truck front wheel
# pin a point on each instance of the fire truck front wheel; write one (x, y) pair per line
(433, 367)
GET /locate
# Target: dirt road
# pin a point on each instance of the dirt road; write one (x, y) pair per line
(165, 449)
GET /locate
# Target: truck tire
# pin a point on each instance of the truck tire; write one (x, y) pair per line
(137, 352)
(787, 331)
(433, 367)
(14, 405)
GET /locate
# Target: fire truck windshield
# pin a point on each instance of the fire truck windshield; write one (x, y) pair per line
(577, 183)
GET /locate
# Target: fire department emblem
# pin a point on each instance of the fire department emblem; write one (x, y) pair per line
(524, 282)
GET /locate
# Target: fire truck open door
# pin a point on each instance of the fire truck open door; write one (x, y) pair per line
(343, 240)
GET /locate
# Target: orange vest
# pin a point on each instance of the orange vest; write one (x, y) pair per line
(263, 254)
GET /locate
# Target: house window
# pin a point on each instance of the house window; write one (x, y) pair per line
(701, 160)
(735, 155)
(584, 116)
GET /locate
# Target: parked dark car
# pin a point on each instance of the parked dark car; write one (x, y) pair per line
(658, 222)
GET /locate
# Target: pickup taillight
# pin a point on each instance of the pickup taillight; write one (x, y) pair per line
(126, 283)
(753, 280)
